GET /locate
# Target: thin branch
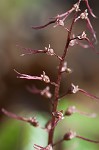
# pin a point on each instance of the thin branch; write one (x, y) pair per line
(72, 109)
(48, 51)
(88, 6)
(43, 77)
(88, 94)
(45, 25)
(25, 76)
(86, 139)
(90, 27)
(32, 121)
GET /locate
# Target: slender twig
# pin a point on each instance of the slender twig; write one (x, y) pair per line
(86, 139)
(31, 120)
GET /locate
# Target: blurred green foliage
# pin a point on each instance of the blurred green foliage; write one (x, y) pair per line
(11, 9)
(22, 136)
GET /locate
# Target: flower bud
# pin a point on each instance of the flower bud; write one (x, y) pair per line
(69, 135)
(45, 78)
(70, 110)
(58, 115)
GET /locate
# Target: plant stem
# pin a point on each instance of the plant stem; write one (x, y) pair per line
(59, 76)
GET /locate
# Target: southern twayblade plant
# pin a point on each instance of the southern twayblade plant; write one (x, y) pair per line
(72, 40)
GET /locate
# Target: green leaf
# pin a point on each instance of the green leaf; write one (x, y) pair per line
(10, 135)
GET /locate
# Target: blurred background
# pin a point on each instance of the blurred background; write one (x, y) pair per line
(16, 19)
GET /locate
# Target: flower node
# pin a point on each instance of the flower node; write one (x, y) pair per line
(74, 89)
(50, 51)
(65, 68)
(82, 36)
(45, 78)
(84, 15)
(76, 7)
(58, 115)
(70, 110)
(73, 42)
(33, 121)
(69, 135)
(60, 22)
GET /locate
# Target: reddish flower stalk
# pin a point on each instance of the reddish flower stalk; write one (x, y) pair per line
(29, 51)
(45, 25)
(56, 115)
(56, 93)
(72, 109)
(48, 50)
(86, 139)
(32, 121)
(43, 77)
(59, 19)
(71, 135)
(74, 89)
(88, 6)
(88, 94)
